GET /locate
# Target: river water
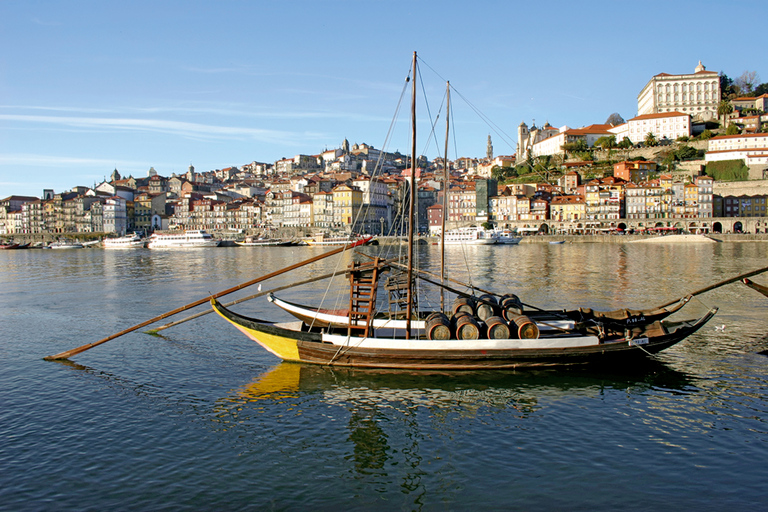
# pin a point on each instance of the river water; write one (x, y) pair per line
(204, 419)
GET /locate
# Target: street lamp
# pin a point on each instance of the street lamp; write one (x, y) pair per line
(381, 219)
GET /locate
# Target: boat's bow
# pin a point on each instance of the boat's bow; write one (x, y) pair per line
(279, 339)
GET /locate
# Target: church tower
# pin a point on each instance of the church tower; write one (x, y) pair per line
(489, 148)
(522, 141)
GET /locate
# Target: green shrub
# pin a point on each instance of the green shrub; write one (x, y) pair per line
(728, 170)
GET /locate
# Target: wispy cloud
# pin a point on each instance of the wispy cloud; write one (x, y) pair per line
(33, 160)
(179, 128)
(221, 109)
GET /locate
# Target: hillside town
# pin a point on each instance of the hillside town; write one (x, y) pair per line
(693, 160)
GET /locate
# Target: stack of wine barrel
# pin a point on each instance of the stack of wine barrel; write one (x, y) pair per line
(482, 317)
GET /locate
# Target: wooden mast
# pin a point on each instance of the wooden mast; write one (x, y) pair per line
(446, 187)
(412, 201)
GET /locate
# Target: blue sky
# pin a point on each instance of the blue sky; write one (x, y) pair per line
(87, 87)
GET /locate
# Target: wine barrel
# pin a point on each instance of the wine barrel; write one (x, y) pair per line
(510, 305)
(526, 328)
(498, 328)
(438, 327)
(464, 304)
(486, 306)
(467, 328)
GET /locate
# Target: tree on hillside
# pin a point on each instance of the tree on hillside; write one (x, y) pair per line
(575, 147)
(761, 89)
(606, 142)
(747, 82)
(728, 90)
(650, 140)
(723, 110)
(625, 143)
(732, 130)
(686, 152)
(615, 119)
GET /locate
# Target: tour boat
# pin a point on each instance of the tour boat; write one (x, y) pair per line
(124, 242)
(468, 236)
(513, 336)
(184, 240)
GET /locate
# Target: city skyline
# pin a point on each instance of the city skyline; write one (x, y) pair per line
(89, 87)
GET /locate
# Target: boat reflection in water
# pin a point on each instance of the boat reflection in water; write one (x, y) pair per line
(434, 389)
(387, 414)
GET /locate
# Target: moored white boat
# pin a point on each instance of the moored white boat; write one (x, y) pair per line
(259, 242)
(469, 236)
(321, 239)
(65, 244)
(506, 237)
(184, 240)
(124, 242)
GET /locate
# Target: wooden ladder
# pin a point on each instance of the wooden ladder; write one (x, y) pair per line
(363, 281)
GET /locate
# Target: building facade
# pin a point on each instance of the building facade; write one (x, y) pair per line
(696, 94)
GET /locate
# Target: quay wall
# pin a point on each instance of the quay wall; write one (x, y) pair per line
(586, 239)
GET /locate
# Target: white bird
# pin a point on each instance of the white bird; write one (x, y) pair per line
(259, 288)
(720, 328)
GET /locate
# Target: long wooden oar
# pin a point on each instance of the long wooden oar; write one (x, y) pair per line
(722, 283)
(238, 301)
(758, 287)
(74, 351)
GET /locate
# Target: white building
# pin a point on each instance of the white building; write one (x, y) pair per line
(750, 147)
(526, 137)
(667, 125)
(697, 94)
(553, 145)
(115, 216)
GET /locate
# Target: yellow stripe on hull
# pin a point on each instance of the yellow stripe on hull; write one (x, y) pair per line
(284, 348)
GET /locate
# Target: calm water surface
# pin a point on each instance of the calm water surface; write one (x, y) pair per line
(204, 419)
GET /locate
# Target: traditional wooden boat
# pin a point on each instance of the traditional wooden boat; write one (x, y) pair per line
(465, 340)
(293, 342)
(757, 287)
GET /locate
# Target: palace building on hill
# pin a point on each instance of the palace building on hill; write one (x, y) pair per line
(696, 94)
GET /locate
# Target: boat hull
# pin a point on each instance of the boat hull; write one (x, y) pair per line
(546, 320)
(348, 351)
